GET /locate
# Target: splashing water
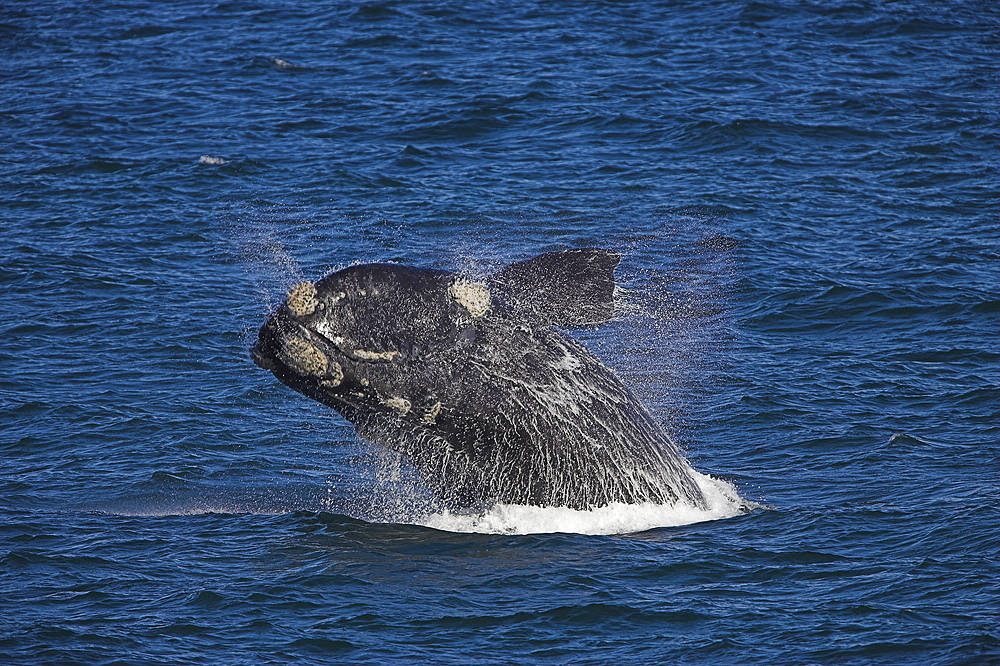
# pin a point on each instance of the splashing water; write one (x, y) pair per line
(420, 509)
(616, 518)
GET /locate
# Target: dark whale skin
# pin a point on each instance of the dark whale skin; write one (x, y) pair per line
(473, 384)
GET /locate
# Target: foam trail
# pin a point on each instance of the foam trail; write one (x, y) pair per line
(616, 518)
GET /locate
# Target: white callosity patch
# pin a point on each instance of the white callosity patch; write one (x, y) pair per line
(306, 359)
(472, 296)
(366, 355)
(334, 375)
(401, 405)
(301, 299)
(431, 416)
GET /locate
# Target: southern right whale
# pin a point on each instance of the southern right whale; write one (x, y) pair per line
(471, 381)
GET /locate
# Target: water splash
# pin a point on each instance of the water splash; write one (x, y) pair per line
(723, 501)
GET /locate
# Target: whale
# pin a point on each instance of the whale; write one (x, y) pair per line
(477, 383)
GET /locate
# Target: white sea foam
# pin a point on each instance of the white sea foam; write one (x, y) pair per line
(616, 518)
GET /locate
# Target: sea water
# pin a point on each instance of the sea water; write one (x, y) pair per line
(805, 198)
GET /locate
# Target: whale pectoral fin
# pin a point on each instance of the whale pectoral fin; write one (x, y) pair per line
(569, 288)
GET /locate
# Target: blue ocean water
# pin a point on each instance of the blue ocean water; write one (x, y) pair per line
(806, 198)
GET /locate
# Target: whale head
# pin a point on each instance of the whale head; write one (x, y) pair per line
(366, 336)
(380, 337)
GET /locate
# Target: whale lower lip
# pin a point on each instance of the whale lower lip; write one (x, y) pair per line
(264, 352)
(292, 350)
(258, 356)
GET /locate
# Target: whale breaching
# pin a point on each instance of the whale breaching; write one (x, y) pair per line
(473, 384)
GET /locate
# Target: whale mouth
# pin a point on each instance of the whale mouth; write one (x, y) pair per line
(349, 348)
(287, 347)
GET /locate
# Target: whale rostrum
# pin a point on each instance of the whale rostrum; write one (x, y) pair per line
(471, 382)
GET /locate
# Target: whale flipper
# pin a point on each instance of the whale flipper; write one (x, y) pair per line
(569, 288)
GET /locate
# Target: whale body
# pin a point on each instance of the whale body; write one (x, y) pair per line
(473, 384)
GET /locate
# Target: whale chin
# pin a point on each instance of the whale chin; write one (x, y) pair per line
(261, 359)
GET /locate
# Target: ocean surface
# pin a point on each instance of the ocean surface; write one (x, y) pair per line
(807, 202)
